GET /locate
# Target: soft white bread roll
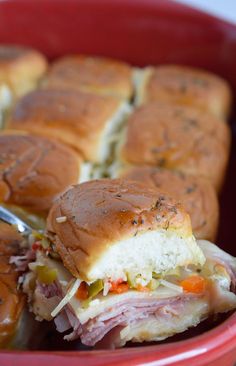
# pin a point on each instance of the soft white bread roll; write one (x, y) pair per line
(177, 137)
(196, 194)
(86, 122)
(187, 86)
(20, 68)
(96, 75)
(114, 227)
(35, 170)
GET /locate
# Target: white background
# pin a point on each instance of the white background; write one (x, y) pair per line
(222, 8)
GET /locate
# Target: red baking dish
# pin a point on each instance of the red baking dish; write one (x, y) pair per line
(141, 32)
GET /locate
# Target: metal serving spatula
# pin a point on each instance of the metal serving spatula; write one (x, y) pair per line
(10, 218)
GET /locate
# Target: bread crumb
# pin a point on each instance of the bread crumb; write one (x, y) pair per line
(61, 219)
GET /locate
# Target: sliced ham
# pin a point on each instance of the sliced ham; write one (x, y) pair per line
(62, 322)
(121, 315)
(95, 329)
(21, 261)
(50, 290)
(126, 312)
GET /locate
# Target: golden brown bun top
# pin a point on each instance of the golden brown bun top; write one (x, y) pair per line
(101, 213)
(177, 137)
(35, 170)
(12, 301)
(195, 193)
(9, 53)
(21, 67)
(73, 117)
(189, 86)
(92, 74)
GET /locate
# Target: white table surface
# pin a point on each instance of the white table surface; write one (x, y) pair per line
(225, 9)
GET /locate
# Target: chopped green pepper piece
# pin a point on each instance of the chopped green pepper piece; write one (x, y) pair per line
(153, 284)
(95, 288)
(46, 275)
(85, 303)
(37, 235)
(131, 280)
(45, 243)
(156, 275)
(173, 272)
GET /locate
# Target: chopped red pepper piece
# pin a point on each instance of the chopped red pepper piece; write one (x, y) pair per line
(119, 286)
(82, 292)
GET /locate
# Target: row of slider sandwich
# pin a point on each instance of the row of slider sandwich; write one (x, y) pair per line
(88, 118)
(85, 103)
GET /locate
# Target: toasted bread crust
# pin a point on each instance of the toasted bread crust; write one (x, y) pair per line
(21, 68)
(35, 170)
(101, 213)
(195, 193)
(176, 137)
(91, 74)
(75, 118)
(188, 86)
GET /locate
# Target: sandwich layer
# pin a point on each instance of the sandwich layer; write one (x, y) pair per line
(106, 218)
(187, 86)
(181, 299)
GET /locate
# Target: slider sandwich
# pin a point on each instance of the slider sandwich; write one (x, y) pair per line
(97, 75)
(21, 68)
(122, 265)
(175, 137)
(197, 195)
(185, 86)
(35, 170)
(88, 123)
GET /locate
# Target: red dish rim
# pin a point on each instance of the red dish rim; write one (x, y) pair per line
(201, 349)
(206, 347)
